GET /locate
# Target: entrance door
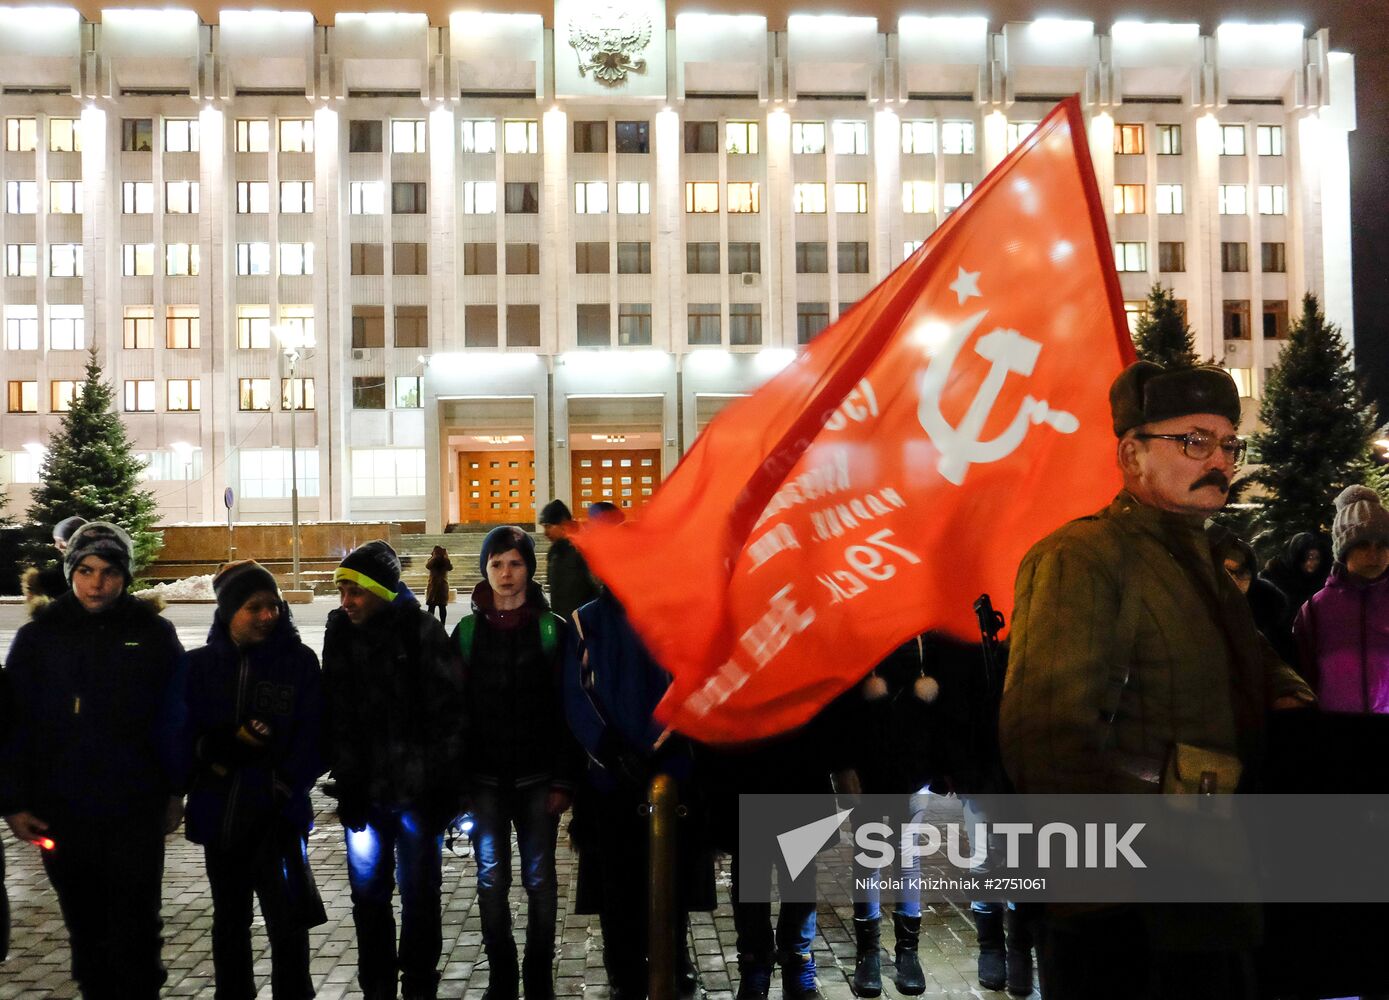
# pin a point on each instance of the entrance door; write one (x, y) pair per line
(496, 487)
(624, 477)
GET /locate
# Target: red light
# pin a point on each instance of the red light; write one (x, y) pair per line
(46, 843)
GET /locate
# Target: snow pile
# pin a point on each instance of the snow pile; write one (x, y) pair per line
(190, 588)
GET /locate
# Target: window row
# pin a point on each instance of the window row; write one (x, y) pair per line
(411, 326)
(137, 395)
(1130, 139)
(369, 197)
(66, 328)
(267, 473)
(1232, 199)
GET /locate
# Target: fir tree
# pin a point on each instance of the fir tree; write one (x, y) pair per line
(1162, 335)
(1318, 429)
(90, 471)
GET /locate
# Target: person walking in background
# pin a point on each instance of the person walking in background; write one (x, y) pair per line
(1341, 631)
(521, 761)
(393, 718)
(81, 773)
(243, 728)
(567, 578)
(437, 592)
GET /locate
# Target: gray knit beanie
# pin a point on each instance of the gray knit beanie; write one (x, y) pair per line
(1360, 517)
(102, 539)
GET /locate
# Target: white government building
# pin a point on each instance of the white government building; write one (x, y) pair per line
(535, 256)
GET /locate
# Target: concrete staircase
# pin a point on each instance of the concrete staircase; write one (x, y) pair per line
(464, 549)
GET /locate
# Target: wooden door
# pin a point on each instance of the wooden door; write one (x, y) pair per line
(624, 477)
(496, 487)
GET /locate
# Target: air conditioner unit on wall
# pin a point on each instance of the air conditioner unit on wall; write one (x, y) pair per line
(750, 279)
(358, 354)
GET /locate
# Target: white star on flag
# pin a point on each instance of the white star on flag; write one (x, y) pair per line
(966, 286)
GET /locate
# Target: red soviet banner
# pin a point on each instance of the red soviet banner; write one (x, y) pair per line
(900, 467)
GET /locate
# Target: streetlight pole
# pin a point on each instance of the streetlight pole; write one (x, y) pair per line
(292, 355)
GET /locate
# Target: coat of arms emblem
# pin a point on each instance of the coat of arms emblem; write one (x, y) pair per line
(609, 42)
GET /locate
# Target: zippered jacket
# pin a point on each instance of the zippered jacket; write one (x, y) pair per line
(1343, 638)
(220, 688)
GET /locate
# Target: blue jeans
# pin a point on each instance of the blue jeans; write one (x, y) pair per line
(795, 925)
(396, 848)
(867, 900)
(993, 849)
(495, 812)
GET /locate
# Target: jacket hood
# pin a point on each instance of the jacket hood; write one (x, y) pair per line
(61, 608)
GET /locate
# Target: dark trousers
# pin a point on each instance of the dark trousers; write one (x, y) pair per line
(495, 812)
(1110, 953)
(443, 610)
(233, 876)
(108, 874)
(795, 923)
(396, 848)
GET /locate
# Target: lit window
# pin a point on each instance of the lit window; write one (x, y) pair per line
(851, 199)
(1233, 199)
(183, 394)
(65, 260)
(1268, 140)
(480, 197)
(180, 135)
(137, 260)
(743, 197)
(182, 329)
(21, 328)
(701, 196)
(1272, 199)
(60, 393)
(64, 135)
(1169, 140)
(21, 260)
(66, 328)
(65, 197)
(1232, 140)
(388, 472)
(1169, 199)
(181, 197)
(137, 135)
(407, 136)
(808, 138)
(1017, 132)
(302, 390)
(1130, 199)
(367, 197)
(808, 199)
(139, 395)
(252, 135)
(918, 137)
(591, 197)
(296, 323)
(521, 136)
(21, 134)
(296, 258)
(1131, 256)
(918, 197)
(265, 472)
(957, 138)
(252, 258)
(254, 393)
(296, 197)
(1128, 140)
(181, 260)
(910, 247)
(253, 197)
(23, 397)
(252, 327)
(137, 328)
(137, 197)
(21, 197)
(850, 138)
(740, 138)
(407, 392)
(480, 136)
(954, 193)
(1134, 311)
(296, 135)
(633, 198)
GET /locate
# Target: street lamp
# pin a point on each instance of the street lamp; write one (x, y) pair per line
(293, 343)
(184, 451)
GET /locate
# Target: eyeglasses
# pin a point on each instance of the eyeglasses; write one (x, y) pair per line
(1201, 445)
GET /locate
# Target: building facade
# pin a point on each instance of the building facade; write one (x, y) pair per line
(521, 261)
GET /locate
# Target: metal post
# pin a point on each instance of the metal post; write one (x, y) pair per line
(293, 468)
(662, 922)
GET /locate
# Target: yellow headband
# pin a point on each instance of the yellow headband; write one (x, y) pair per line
(363, 581)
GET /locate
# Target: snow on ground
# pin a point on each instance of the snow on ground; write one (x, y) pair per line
(190, 588)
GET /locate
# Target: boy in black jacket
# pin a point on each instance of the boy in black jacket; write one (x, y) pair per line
(80, 773)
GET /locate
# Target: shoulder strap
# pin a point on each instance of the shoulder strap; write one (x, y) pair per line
(549, 634)
(467, 628)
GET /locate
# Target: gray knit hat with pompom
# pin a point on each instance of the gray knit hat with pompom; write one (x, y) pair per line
(1360, 517)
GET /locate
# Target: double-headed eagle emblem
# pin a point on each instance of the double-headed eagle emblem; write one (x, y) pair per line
(609, 42)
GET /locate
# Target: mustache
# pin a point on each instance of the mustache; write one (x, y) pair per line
(1214, 478)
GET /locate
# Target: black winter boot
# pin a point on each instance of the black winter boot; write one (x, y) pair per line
(754, 976)
(993, 965)
(686, 973)
(909, 979)
(1018, 928)
(537, 975)
(798, 976)
(503, 979)
(868, 970)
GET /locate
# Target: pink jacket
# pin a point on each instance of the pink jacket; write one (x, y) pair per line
(1343, 636)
